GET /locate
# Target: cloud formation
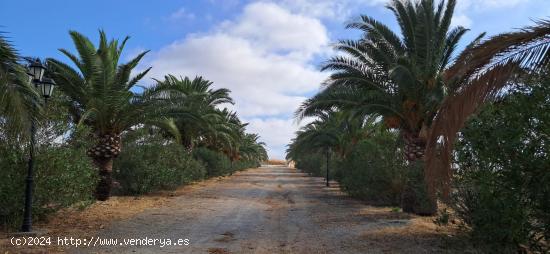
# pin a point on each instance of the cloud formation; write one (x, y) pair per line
(328, 9)
(264, 56)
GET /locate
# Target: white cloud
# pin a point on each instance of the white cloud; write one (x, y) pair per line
(329, 9)
(181, 13)
(263, 56)
(461, 20)
(275, 28)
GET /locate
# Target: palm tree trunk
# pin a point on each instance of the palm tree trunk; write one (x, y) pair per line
(107, 148)
(416, 197)
(415, 147)
(105, 169)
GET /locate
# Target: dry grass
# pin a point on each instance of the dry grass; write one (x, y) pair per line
(81, 223)
(418, 235)
(276, 162)
(218, 251)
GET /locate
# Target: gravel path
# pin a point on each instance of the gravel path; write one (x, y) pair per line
(264, 210)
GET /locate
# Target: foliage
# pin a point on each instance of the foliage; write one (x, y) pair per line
(59, 181)
(364, 158)
(203, 124)
(374, 171)
(150, 164)
(503, 182)
(18, 100)
(99, 89)
(218, 164)
(399, 78)
(204, 120)
(101, 95)
(97, 97)
(312, 163)
(416, 82)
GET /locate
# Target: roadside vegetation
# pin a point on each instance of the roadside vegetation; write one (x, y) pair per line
(414, 119)
(106, 131)
(418, 119)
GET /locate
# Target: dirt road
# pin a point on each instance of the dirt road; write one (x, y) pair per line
(270, 210)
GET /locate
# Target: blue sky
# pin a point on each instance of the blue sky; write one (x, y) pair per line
(266, 52)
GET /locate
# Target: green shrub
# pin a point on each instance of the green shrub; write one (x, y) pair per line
(374, 171)
(245, 164)
(151, 166)
(63, 176)
(216, 163)
(502, 187)
(313, 163)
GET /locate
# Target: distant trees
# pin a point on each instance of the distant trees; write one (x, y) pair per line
(100, 93)
(416, 83)
(199, 101)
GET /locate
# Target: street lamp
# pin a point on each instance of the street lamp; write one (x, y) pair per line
(45, 87)
(36, 70)
(328, 155)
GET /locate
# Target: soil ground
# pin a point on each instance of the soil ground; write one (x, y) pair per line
(265, 210)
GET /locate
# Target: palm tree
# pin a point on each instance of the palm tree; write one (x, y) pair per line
(227, 135)
(251, 149)
(398, 78)
(416, 85)
(331, 129)
(204, 124)
(335, 131)
(18, 99)
(101, 97)
(200, 100)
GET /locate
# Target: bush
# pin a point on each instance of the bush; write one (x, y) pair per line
(374, 171)
(63, 176)
(146, 167)
(311, 163)
(503, 182)
(218, 164)
(245, 164)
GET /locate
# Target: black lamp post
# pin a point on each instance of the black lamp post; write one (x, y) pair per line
(45, 86)
(328, 154)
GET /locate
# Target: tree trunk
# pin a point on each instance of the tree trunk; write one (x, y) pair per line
(415, 198)
(107, 148)
(105, 169)
(415, 147)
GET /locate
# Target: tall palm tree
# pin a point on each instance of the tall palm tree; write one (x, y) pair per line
(398, 78)
(416, 85)
(226, 134)
(199, 99)
(101, 97)
(337, 130)
(18, 99)
(252, 149)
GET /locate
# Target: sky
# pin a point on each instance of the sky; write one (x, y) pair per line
(266, 52)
